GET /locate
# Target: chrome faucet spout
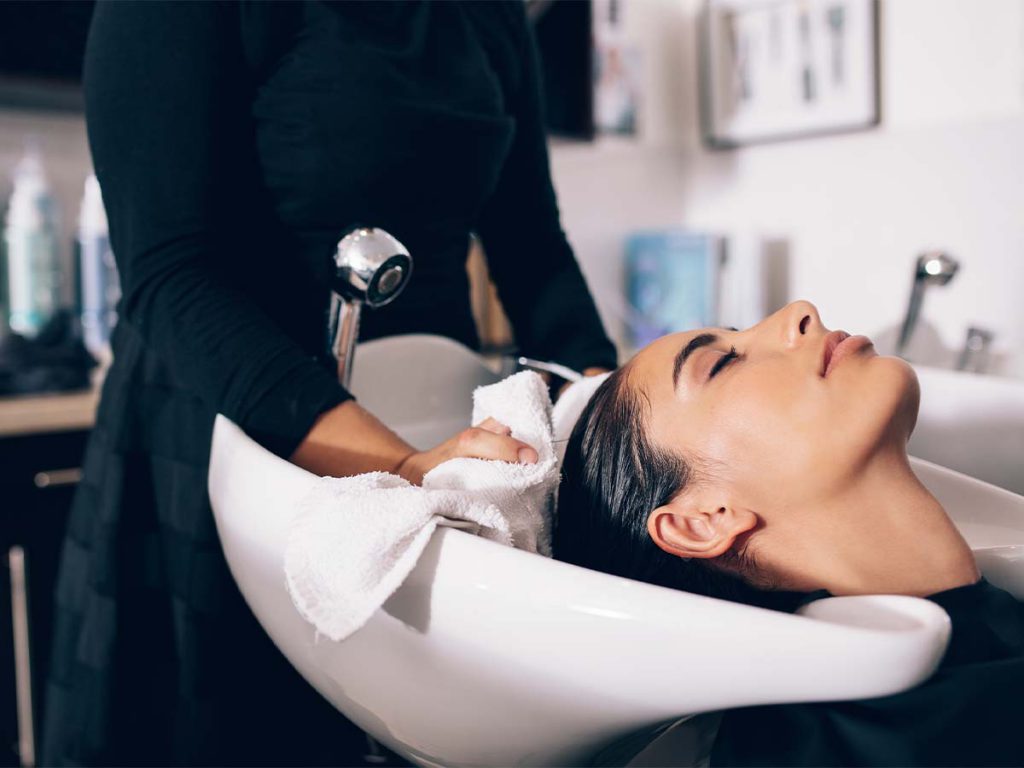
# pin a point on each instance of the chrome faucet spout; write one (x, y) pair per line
(371, 267)
(931, 268)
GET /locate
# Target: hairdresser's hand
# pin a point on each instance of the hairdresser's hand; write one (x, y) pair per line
(487, 440)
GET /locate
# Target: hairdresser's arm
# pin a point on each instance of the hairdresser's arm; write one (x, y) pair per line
(168, 106)
(348, 440)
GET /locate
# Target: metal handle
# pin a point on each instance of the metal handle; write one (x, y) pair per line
(54, 478)
(562, 371)
(343, 334)
(22, 656)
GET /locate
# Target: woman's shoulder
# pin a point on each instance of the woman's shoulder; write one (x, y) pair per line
(988, 623)
(504, 21)
(508, 15)
(267, 29)
(503, 29)
(973, 597)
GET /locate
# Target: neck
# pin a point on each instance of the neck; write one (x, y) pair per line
(884, 533)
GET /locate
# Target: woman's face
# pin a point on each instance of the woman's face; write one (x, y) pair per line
(785, 419)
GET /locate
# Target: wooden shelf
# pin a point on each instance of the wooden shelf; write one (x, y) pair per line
(33, 414)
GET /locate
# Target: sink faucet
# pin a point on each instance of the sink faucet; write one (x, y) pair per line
(370, 267)
(974, 355)
(932, 268)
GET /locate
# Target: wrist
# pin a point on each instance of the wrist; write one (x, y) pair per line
(405, 469)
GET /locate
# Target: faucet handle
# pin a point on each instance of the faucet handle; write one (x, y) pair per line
(974, 355)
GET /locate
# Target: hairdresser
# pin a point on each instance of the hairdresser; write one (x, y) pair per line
(235, 143)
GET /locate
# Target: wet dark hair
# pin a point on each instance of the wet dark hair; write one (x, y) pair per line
(613, 477)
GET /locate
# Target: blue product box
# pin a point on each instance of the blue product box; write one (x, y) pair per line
(671, 283)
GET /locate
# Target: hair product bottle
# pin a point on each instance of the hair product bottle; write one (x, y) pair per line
(99, 287)
(30, 239)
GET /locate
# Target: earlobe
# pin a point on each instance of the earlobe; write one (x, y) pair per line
(681, 528)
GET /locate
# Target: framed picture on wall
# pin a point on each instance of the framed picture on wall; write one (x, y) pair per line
(783, 69)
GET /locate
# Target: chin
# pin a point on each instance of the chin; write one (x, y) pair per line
(881, 409)
(895, 382)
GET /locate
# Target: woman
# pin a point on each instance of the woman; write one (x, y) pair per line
(769, 466)
(235, 144)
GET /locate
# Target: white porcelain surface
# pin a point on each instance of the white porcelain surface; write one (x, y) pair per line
(490, 656)
(973, 424)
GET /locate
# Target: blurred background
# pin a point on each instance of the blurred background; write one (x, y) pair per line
(651, 159)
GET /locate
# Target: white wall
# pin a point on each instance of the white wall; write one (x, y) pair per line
(614, 186)
(945, 169)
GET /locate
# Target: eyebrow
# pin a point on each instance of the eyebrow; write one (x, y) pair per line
(691, 346)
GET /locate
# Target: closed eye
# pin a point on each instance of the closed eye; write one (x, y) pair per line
(723, 361)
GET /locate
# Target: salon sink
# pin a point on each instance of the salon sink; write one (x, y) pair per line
(491, 656)
(973, 424)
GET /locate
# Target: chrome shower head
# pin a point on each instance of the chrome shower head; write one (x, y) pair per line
(370, 266)
(936, 268)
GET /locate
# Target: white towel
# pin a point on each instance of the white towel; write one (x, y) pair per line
(568, 409)
(357, 538)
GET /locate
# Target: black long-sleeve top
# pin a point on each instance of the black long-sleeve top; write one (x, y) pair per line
(236, 142)
(970, 712)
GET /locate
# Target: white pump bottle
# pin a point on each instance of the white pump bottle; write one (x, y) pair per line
(99, 287)
(33, 257)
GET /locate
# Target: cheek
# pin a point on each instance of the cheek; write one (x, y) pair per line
(752, 437)
(811, 431)
(781, 435)
(771, 431)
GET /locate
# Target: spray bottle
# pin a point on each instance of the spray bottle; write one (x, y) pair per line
(99, 287)
(31, 245)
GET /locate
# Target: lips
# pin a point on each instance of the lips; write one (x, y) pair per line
(839, 345)
(832, 341)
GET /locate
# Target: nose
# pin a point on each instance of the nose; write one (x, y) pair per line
(799, 320)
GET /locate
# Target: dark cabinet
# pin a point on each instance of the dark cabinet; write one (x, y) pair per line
(38, 477)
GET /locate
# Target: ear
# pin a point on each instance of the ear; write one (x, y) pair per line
(687, 528)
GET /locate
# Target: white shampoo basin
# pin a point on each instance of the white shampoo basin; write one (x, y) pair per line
(489, 656)
(972, 423)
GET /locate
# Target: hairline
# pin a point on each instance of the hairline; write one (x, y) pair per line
(699, 467)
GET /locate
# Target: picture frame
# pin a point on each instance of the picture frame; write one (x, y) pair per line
(772, 70)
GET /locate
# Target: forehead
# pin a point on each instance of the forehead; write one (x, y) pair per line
(663, 351)
(651, 367)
